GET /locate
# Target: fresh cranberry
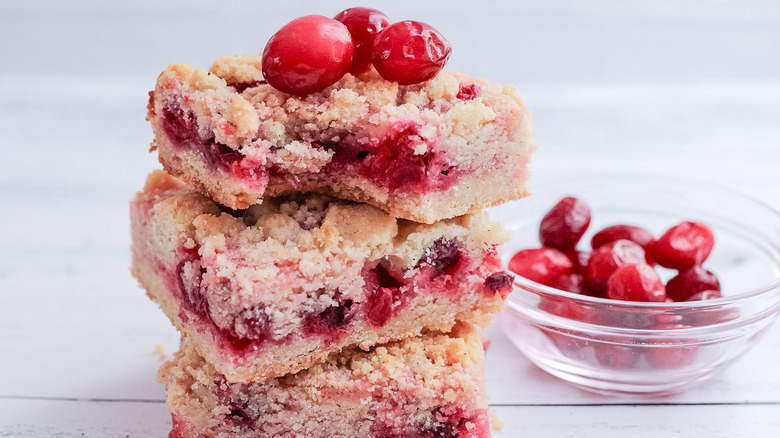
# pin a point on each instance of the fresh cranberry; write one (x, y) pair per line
(410, 52)
(363, 24)
(569, 344)
(574, 283)
(669, 354)
(568, 309)
(468, 92)
(683, 246)
(307, 54)
(607, 259)
(542, 265)
(710, 315)
(240, 413)
(579, 260)
(638, 235)
(563, 226)
(616, 356)
(703, 295)
(690, 282)
(636, 282)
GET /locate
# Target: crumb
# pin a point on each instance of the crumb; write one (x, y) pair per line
(160, 351)
(495, 423)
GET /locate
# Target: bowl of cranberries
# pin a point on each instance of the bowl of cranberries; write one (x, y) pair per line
(639, 286)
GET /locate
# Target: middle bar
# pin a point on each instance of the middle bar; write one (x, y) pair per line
(277, 287)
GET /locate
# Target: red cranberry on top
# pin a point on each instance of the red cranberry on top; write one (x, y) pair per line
(307, 55)
(363, 24)
(410, 52)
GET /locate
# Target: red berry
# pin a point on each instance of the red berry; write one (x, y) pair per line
(569, 344)
(616, 356)
(468, 92)
(569, 309)
(636, 282)
(690, 282)
(363, 24)
(410, 52)
(569, 282)
(579, 260)
(542, 265)
(638, 235)
(715, 314)
(605, 261)
(704, 295)
(683, 246)
(308, 54)
(563, 226)
(670, 354)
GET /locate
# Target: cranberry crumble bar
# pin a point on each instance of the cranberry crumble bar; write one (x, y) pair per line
(423, 152)
(277, 287)
(428, 386)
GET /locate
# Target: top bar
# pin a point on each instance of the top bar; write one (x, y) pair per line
(424, 152)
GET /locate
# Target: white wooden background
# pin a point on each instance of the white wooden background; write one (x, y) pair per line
(673, 87)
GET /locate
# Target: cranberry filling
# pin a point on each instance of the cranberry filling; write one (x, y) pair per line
(182, 129)
(179, 427)
(396, 161)
(195, 306)
(385, 295)
(440, 429)
(253, 323)
(468, 92)
(499, 282)
(444, 422)
(398, 165)
(241, 86)
(331, 321)
(240, 414)
(188, 290)
(443, 256)
(454, 424)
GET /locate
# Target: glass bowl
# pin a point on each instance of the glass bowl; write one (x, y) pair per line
(638, 348)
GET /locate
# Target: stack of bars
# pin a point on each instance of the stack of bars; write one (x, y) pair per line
(326, 258)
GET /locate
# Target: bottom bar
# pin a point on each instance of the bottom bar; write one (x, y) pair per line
(427, 386)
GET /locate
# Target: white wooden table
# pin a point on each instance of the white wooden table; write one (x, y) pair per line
(78, 337)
